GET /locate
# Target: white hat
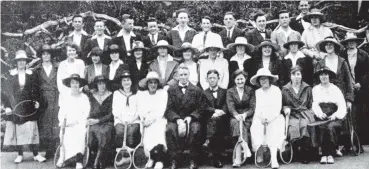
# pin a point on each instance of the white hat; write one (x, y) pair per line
(151, 75)
(263, 72)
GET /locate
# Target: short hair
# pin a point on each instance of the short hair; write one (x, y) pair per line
(74, 46)
(258, 15)
(239, 72)
(283, 11)
(182, 66)
(295, 69)
(99, 20)
(125, 17)
(269, 78)
(212, 71)
(96, 51)
(77, 16)
(152, 20)
(230, 13)
(206, 17)
(182, 10)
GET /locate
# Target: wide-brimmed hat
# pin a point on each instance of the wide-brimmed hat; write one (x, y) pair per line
(321, 44)
(263, 72)
(150, 76)
(213, 44)
(45, 48)
(163, 43)
(138, 45)
(315, 12)
(294, 38)
(21, 55)
(82, 82)
(351, 37)
(122, 75)
(241, 41)
(266, 42)
(98, 79)
(186, 46)
(324, 69)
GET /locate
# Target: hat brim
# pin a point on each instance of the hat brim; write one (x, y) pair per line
(255, 77)
(357, 40)
(142, 48)
(82, 82)
(300, 43)
(169, 47)
(260, 46)
(143, 82)
(94, 83)
(331, 74)
(217, 47)
(307, 18)
(321, 45)
(232, 46)
(26, 59)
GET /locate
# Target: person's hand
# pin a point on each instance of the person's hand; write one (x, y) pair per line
(357, 86)
(8, 111)
(91, 122)
(287, 111)
(332, 118)
(348, 104)
(37, 105)
(322, 116)
(188, 119)
(217, 113)
(179, 121)
(239, 117)
(181, 128)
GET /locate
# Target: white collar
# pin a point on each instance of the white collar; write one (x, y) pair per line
(299, 17)
(235, 57)
(231, 30)
(120, 34)
(186, 29)
(280, 30)
(299, 54)
(14, 71)
(216, 88)
(104, 36)
(179, 84)
(169, 58)
(120, 62)
(83, 32)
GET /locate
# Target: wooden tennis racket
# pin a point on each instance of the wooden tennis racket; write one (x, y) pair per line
(317, 123)
(86, 152)
(140, 159)
(263, 155)
(25, 108)
(60, 151)
(286, 151)
(243, 144)
(123, 158)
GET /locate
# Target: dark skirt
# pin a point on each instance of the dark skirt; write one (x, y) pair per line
(133, 135)
(297, 126)
(235, 129)
(48, 121)
(100, 136)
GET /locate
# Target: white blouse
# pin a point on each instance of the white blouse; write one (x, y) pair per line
(268, 103)
(221, 65)
(124, 111)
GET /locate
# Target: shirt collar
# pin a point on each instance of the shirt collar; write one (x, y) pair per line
(299, 17)
(120, 34)
(214, 89)
(82, 31)
(230, 29)
(280, 30)
(179, 84)
(104, 36)
(169, 58)
(120, 62)
(235, 57)
(14, 72)
(299, 54)
(186, 29)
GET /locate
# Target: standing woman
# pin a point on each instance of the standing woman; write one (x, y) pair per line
(125, 112)
(188, 54)
(267, 110)
(297, 101)
(152, 115)
(116, 66)
(22, 131)
(241, 105)
(243, 52)
(97, 68)
(48, 122)
(139, 66)
(74, 110)
(100, 120)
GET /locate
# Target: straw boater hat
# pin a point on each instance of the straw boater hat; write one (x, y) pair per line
(321, 45)
(21, 55)
(82, 82)
(324, 70)
(163, 43)
(151, 75)
(266, 42)
(241, 41)
(294, 38)
(263, 72)
(98, 79)
(186, 46)
(315, 12)
(213, 44)
(138, 45)
(351, 37)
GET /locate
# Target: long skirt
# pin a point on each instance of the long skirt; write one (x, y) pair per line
(297, 125)
(274, 133)
(326, 136)
(100, 136)
(154, 135)
(74, 140)
(21, 134)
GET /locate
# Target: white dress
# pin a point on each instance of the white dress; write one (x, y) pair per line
(268, 105)
(123, 110)
(76, 110)
(153, 107)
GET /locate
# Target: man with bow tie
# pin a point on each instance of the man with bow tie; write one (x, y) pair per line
(258, 34)
(216, 120)
(186, 106)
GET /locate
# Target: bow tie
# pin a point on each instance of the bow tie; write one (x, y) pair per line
(183, 87)
(213, 91)
(262, 31)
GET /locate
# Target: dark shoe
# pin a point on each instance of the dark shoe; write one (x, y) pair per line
(217, 163)
(193, 165)
(173, 165)
(49, 155)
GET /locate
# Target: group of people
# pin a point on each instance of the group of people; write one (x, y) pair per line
(185, 90)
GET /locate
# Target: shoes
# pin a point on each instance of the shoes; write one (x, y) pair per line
(236, 165)
(323, 160)
(339, 153)
(173, 165)
(79, 166)
(330, 160)
(274, 165)
(159, 165)
(150, 163)
(193, 165)
(39, 158)
(217, 163)
(19, 159)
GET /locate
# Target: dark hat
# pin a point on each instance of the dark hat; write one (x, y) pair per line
(113, 48)
(138, 45)
(315, 12)
(121, 76)
(98, 79)
(266, 42)
(241, 41)
(321, 45)
(82, 82)
(294, 38)
(324, 70)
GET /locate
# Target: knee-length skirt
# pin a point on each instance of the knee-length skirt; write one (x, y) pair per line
(21, 134)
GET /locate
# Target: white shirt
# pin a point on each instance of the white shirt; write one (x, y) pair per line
(285, 33)
(182, 33)
(127, 40)
(123, 112)
(100, 42)
(113, 69)
(66, 69)
(240, 93)
(155, 37)
(240, 61)
(139, 65)
(198, 40)
(215, 94)
(183, 89)
(98, 70)
(163, 64)
(77, 37)
(262, 34)
(47, 69)
(304, 24)
(298, 55)
(230, 31)
(266, 63)
(332, 63)
(221, 65)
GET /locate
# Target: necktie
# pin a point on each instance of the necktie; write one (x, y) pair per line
(183, 87)
(229, 34)
(153, 39)
(205, 37)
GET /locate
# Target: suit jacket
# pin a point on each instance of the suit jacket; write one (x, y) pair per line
(362, 66)
(245, 105)
(254, 37)
(90, 72)
(147, 41)
(138, 74)
(119, 40)
(47, 82)
(236, 33)
(296, 25)
(307, 69)
(175, 40)
(180, 105)
(91, 43)
(169, 71)
(82, 44)
(216, 103)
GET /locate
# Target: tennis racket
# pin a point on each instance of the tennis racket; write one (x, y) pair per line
(263, 155)
(86, 153)
(354, 139)
(25, 108)
(286, 151)
(123, 158)
(139, 157)
(241, 143)
(317, 123)
(59, 156)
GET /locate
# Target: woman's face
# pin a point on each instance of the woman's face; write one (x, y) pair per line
(138, 53)
(152, 85)
(264, 81)
(46, 57)
(126, 83)
(240, 49)
(352, 44)
(266, 50)
(315, 20)
(324, 78)
(294, 47)
(95, 59)
(101, 86)
(296, 77)
(21, 64)
(74, 85)
(213, 53)
(114, 56)
(240, 80)
(163, 51)
(71, 52)
(187, 55)
(329, 47)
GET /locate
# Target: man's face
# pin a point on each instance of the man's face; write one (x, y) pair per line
(153, 27)
(205, 25)
(182, 18)
(128, 25)
(99, 27)
(183, 75)
(229, 21)
(77, 23)
(213, 80)
(284, 19)
(261, 22)
(304, 7)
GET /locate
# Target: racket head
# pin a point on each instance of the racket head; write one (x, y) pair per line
(234, 151)
(286, 152)
(355, 143)
(263, 156)
(25, 108)
(58, 156)
(86, 157)
(140, 159)
(244, 151)
(123, 159)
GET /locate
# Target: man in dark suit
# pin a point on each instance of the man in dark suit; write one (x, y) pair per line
(298, 24)
(229, 34)
(216, 119)
(79, 36)
(99, 40)
(153, 37)
(258, 34)
(186, 105)
(126, 37)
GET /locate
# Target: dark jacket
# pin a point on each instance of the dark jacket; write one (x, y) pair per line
(297, 25)
(223, 34)
(245, 105)
(119, 40)
(137, 74)
(175, 40)
(90, 72)
(254, 37)
(82, 45)
(147, 41)
(306, 65)
(103, 111)
(91, 43)
(216, 103)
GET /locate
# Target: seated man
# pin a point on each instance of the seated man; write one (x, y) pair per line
(216, 110)
(186, 104)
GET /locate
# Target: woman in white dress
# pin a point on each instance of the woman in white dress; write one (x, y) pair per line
(267, 110)
(74, 110)
(152, 116)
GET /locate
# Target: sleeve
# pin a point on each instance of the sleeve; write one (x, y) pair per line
(305, 48)
(199, 112)
(81, 69)
(225, 79)
(196, 42)
(277, 104)
(109, 116)
(204, 84)
(315, 105)
(252, 103)
(309, 98)
(340, 102)
(86, 109)
(169, 37)
(231, 104)
(116, 108)
(349, 95)
(273, 37)
(170, 113)
(209, 109)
